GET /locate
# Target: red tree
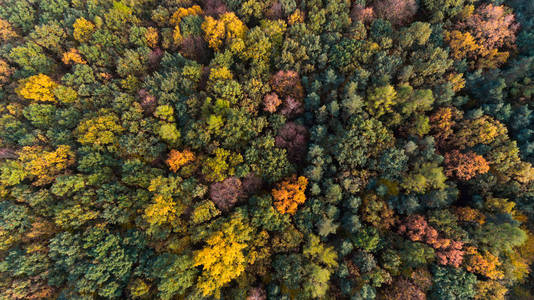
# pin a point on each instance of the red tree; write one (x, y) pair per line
(361, 13)
(256, 293)
(448, 252)
(398, 12)
(148, 102)
(292, 107)
(405, 290)
(294, 138)
(213, 7)
(226, 193)
(418, 230)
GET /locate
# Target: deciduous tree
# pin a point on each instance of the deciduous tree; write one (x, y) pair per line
(289, 193)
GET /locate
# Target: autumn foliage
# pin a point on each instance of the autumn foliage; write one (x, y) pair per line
(72, 57)
(465, 166)
(280, 149)
(83, 29)
(226, 29)
(398, 12)
(448, 252)
(226, 193)
(178, 159)
(482, 36)
(46, 165)
(485, 263)
(38, 88)
(289, 193)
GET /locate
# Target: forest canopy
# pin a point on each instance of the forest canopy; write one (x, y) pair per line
(267, 149)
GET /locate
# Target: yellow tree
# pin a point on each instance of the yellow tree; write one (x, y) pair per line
(484, 264)
(152, 37)
(223, 258)
(490, 290)
(381, 99)
(226, 29)
(177, 18)
(289, 193)
(45, 165)
(483, 130)
(83, 29)
(99, 131)
(166, 206)
(462, 44)
(38, 87)
(161, 211)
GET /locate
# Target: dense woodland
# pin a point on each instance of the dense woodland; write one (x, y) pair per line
(267, 149)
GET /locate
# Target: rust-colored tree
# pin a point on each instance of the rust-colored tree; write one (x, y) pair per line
(465, 166)
(178, 159)
(289, 193)
(225, 194)
(403, 289)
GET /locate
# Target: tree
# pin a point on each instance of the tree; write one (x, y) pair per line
(462, 44)
(398, 12)
(465, 166)
(83, 29)
(294, 138)
(492, 26)
(361, 13)
(442, 123)
(485, 264)
(498, 238)
(38, 87)
(287, 84)
(100, 131)
(482, 34)
(453, 283)
(228, 29)
(72, 56)
(226, 193)
(176, 19)
(418, 230)
(491, 290)
(5, 72)
(223, 258)
(381, 99)
(362, 141)
(403, 289)
(377, 212)
(271, 102)
(162, 211)
(289, 193)
(221, 166)
(178, 159)
(6, 31)
(46, 165)
(427, 175)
